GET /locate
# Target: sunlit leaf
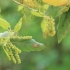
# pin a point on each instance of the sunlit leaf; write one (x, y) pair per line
(38, 14)
(18, 26)
(4, 24)
(43, 25)
(20, 7)
(45, 6)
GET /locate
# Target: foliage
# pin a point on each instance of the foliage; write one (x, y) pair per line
(13, 43)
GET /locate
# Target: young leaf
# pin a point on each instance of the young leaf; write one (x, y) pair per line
(38, 14)
(18, 26)
(43, 25)
(63, 26)
(4, 24)
(45, 7)
(20, 7)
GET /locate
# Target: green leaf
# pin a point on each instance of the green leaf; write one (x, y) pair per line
(18, 26)
(43, 25)
(63, 26)
(53, 11)
(28, 45)
(38, 14)
(4, 24)
(45, 6)
(20, 7)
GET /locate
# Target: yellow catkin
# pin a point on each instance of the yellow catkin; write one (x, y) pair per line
(64, 9)
(44, 34)
(24, 18)
(27, 37)
(50, 27)
(5, 41)
(12, 57)
(17, 57)
(6, 48)
(24, 37)
(31, 3)
(18, 51)
(7, 53)
(10, 50)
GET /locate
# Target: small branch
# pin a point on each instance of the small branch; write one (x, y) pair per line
(29, 8)
(24, 5)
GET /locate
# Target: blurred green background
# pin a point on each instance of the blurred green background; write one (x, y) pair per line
(54, 57)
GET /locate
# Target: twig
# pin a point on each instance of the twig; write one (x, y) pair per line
(24, 5)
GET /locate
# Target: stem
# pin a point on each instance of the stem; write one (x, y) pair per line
(43, 15)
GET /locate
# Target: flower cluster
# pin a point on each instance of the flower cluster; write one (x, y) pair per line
(30, 3)
(12, 52)
(22, 37)
(10, 49)
(50, 28)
